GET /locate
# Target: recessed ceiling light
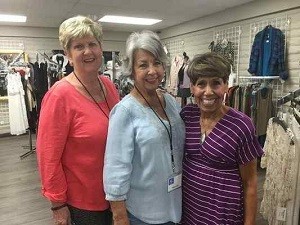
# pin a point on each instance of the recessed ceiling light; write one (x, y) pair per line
(128, 20)
(12, 18)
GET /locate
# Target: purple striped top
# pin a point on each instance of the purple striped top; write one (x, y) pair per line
(212, 186)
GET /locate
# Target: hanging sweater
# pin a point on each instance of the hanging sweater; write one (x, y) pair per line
(267, 54)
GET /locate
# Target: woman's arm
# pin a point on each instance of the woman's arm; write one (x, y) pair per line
(249, 178)
(52, 134)
(118, 162)
(118, 209)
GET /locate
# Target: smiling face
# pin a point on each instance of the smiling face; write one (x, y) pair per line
(209, 93)
(148, 71)
(85, 54)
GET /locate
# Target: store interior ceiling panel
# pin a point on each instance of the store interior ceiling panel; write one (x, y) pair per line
(50, 13)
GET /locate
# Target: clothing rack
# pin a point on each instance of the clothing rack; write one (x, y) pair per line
(45, 56)
(273, 81)
(260, 77)
(257, 78)
(17, 59)
(30, 146)
(289, 97)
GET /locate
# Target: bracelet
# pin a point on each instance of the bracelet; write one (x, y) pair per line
(59, 207)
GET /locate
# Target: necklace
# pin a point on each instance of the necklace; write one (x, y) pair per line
(92, 95)
(169, 123)
(203, 134)
(202, 137)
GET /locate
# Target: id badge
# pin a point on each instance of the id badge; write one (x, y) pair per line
(174, 182)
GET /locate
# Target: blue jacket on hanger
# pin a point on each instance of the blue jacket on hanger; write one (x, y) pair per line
(267, 54)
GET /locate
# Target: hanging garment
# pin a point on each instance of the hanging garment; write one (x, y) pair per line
(172, 79)
(267, 54)
(183, 89)
(280, 162)
(224, 48)
(262, 108)
(16, 104)
(295, 214)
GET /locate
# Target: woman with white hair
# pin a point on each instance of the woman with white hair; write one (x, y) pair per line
(142, 166)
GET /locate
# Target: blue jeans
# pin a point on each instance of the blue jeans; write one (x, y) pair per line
(135, 221)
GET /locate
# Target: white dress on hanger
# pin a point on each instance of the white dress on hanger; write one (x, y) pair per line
(16, 104)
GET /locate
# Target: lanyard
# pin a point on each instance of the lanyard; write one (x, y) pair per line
(169, 132)
(92, 96)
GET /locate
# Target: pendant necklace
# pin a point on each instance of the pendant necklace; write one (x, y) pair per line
(202, 137)
(92, 96)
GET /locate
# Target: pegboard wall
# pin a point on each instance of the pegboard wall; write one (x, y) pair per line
(174, 47)
(4, 114)
(227, 43)
(6, 44)
(282, 23)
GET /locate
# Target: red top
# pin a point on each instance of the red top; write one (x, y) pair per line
(71, 142)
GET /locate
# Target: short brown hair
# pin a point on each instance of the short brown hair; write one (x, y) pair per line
(209, 64)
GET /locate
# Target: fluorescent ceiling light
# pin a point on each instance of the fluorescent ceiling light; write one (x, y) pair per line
(128, 20)
(12, 18)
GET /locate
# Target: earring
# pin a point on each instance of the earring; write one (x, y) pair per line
(225, 98)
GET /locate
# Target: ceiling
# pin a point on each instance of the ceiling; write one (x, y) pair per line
(50, 13)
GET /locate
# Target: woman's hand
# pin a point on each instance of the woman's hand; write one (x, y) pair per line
(119, 211)
(62, 216)
(122, 221)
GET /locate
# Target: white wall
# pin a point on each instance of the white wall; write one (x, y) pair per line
(194, 37)
(35, 39)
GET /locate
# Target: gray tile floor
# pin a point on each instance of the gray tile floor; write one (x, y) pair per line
(20, 200)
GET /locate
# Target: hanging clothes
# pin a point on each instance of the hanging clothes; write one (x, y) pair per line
(3, 83)
(183, 89)
(262, 108)
(183, 85)
(16, 104)
(40, 82)
(172, 79)
(224, 48)
(267, 54)
(281, 160)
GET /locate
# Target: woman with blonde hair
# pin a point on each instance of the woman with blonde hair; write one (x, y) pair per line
(73, 127)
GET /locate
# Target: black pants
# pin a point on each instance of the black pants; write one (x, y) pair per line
(86, 217)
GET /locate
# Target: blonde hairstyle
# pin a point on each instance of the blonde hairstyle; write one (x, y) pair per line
(209, 65)
(145, 40)
(78, 27)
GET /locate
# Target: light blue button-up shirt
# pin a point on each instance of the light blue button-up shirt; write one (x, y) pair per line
(138, 162)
